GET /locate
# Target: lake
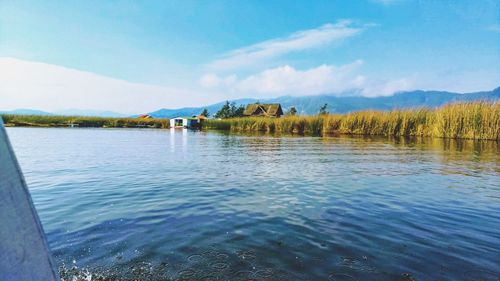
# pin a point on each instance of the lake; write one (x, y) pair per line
(186, 205)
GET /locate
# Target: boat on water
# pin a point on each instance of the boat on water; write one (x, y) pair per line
(24, 252)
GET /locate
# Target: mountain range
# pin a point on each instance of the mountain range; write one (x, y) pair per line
(67, 112)
(336, 104)
(305, 104)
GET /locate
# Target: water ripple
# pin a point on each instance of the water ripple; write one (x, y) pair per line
(161, 205)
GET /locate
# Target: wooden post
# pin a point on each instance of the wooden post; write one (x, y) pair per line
(24, 253)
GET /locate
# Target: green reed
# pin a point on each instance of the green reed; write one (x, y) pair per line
(82, 121)
(469, 120)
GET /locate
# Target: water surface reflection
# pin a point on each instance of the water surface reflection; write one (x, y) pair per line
(183, 205)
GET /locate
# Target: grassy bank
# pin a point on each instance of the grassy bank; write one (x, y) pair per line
(82, 121)
(475, 120)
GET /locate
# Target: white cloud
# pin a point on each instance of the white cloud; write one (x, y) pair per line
(300, 40)
(324, 79)
(25, 84)
(212, 80)
(286, 80)
(387, 88)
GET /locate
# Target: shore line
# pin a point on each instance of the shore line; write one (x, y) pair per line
(11, 120)
(469, 120)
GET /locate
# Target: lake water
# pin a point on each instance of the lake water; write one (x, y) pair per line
(161, 205)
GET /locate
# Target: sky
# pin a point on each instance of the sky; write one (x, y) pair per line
(139, 56)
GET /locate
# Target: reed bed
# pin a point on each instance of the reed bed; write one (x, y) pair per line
(82, 121)
(470, 120)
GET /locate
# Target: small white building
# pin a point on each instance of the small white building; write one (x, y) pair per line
(193, 122)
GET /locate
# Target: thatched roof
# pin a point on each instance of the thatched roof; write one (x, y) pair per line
(270, 110)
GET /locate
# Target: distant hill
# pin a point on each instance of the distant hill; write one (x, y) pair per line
(68, 112)
(311, 104)
(25, 111)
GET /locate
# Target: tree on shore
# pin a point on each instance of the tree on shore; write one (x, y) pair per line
(230, 110)
(205, 113)
(224, 112)
(322, 109)
(292, 111)
(237, 111)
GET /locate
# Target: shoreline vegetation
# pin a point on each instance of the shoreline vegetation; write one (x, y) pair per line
(470, 120)
(11, 120)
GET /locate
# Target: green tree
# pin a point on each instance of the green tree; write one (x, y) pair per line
(322, 109)
(238, 112)
(233, 109)
(224, 112)
(205, 113)
(292, 111)
(230, 110)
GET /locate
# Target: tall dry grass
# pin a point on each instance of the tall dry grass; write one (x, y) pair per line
(471, 120)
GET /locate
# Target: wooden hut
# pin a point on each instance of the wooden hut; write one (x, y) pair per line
(267, 110)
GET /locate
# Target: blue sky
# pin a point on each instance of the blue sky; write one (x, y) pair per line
(135, 56)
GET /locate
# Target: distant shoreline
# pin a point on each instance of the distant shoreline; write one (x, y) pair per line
(471, 120)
